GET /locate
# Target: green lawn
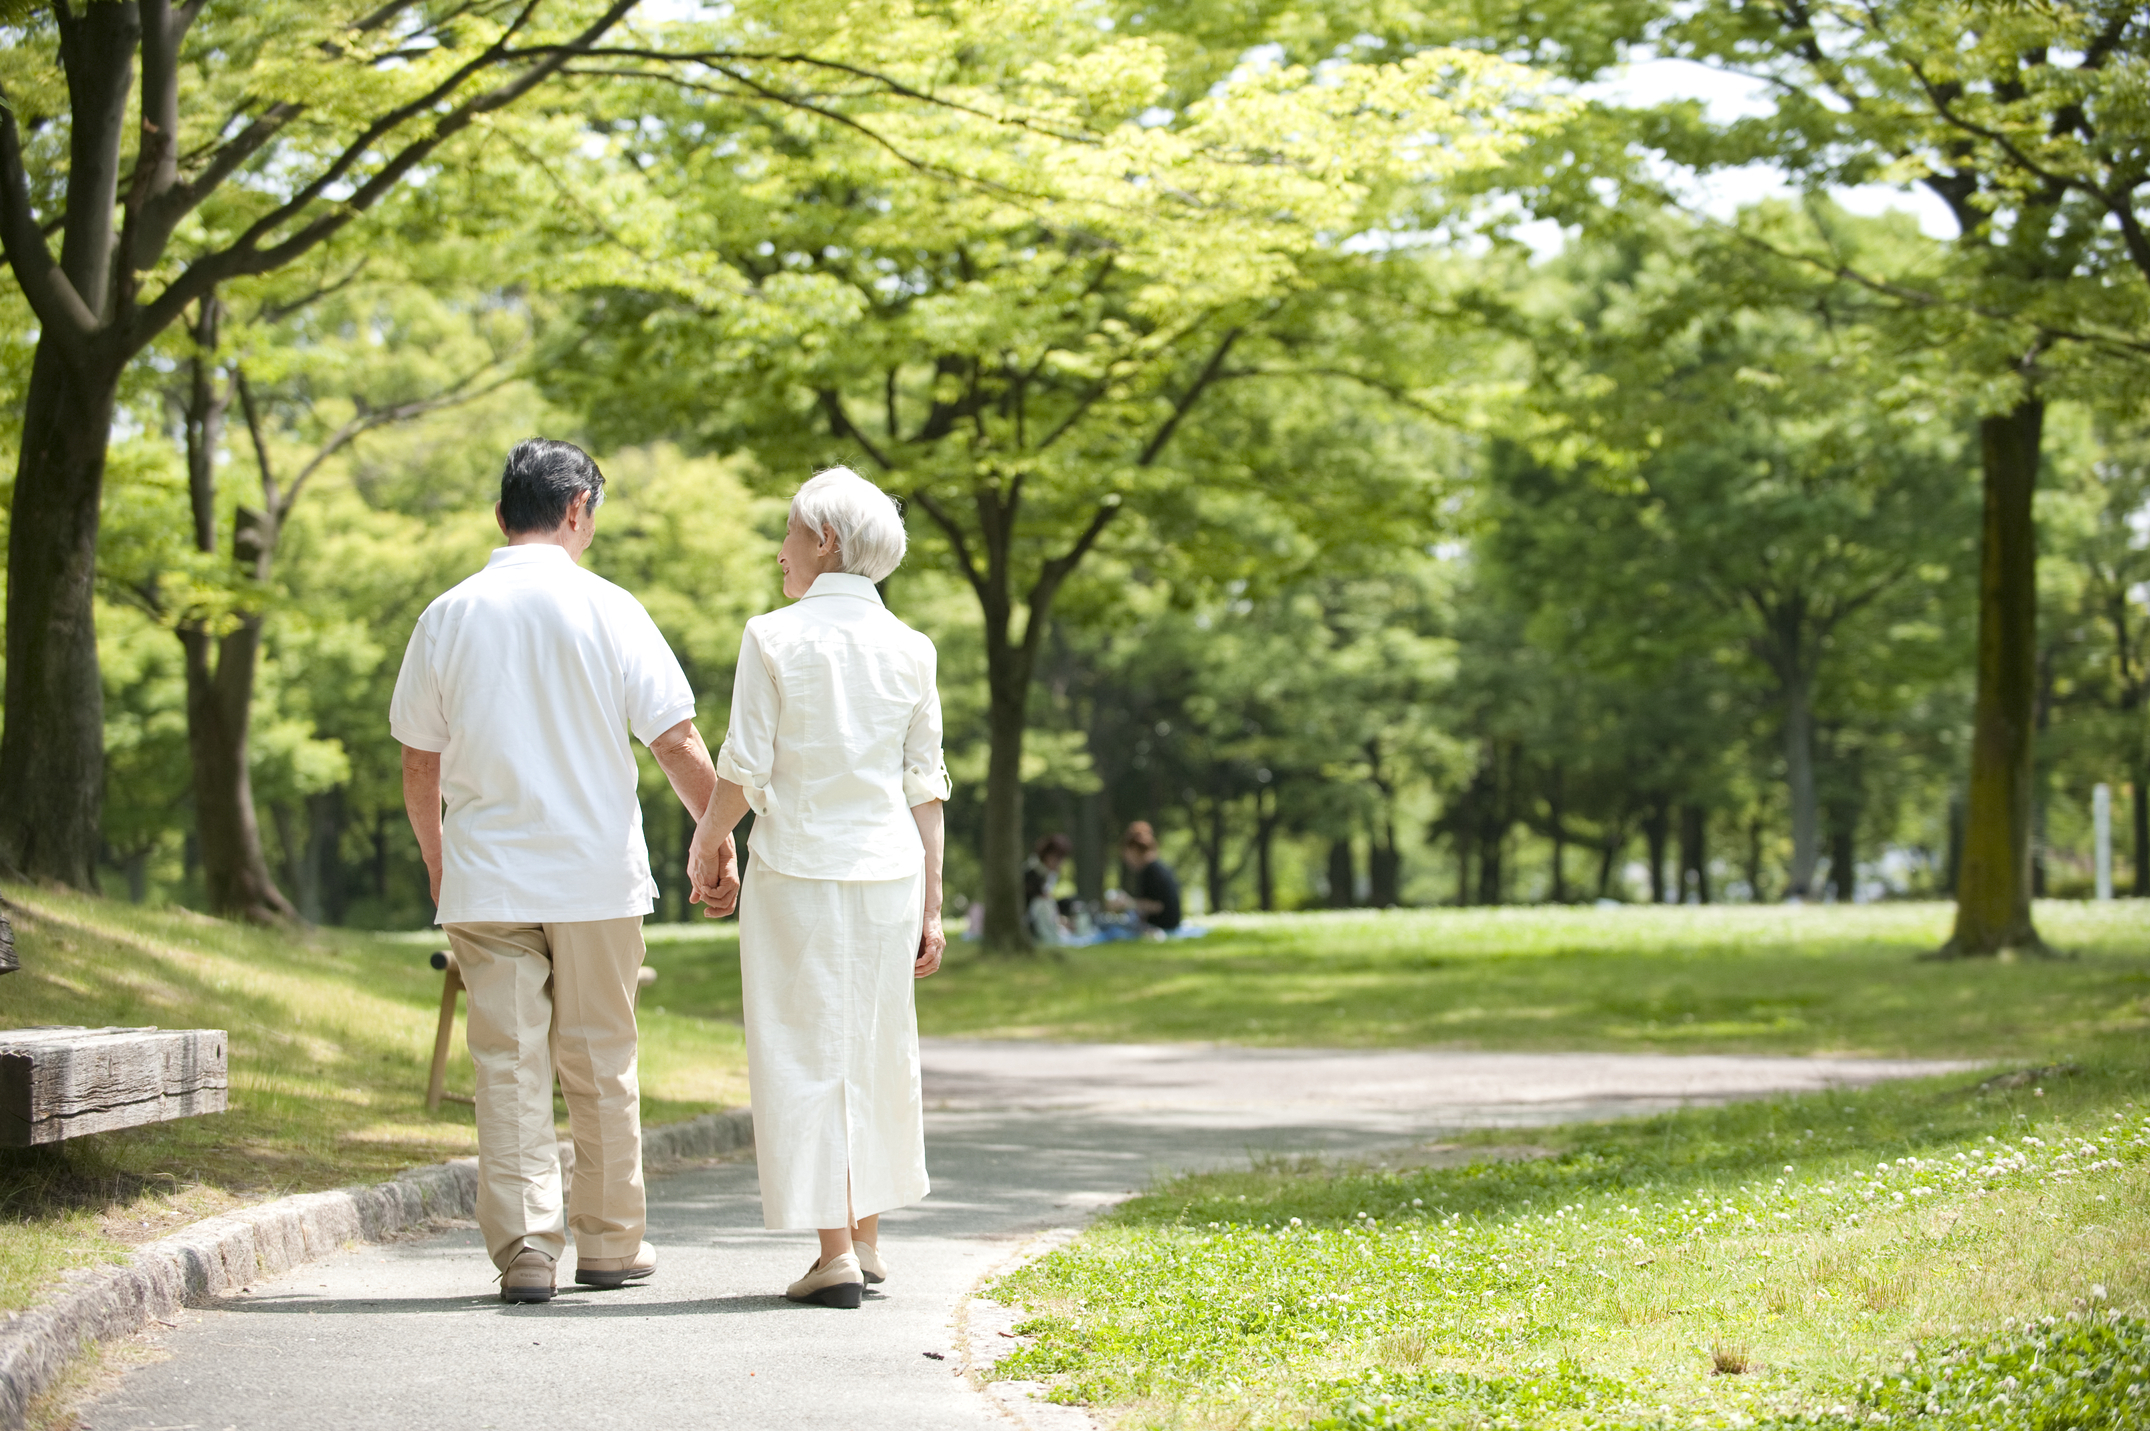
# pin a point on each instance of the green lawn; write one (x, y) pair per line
(1769, 979)
(1917, 1255)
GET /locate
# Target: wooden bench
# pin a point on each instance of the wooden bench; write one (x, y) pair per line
(451, 984)
(59, 1082)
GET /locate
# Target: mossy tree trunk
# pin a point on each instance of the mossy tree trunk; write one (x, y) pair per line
(1993, 888)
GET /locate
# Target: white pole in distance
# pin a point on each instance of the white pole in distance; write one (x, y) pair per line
(2101, 814)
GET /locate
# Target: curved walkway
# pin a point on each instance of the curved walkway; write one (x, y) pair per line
(1020, 1136)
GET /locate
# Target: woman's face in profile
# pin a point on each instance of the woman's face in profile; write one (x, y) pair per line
(803, 556)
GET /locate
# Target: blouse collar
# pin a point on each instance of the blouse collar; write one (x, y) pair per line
(842, 583)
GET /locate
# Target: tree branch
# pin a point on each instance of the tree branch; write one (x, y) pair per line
(841, 425)
(1187, 400)
(1040, 599)
(59, 308)
(955, 536)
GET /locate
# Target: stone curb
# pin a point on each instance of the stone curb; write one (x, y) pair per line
(219, 1254)
(985, 1332)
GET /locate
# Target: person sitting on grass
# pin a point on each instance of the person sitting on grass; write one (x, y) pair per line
(1041, 875)
(1148, 888)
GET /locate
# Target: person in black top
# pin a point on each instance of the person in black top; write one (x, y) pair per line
(1152, 889)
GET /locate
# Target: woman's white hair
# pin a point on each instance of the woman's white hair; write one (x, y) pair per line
(866, 520)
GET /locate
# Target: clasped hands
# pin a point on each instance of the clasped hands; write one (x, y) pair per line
(713, 870)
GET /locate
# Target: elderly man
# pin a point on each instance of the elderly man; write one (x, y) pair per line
(514, 704)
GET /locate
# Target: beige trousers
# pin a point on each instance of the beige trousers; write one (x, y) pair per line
(545, 996)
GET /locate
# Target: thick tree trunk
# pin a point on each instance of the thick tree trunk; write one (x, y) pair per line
(219, 700)
(1798, 694)
(52, 749)
(1607, 858)
(1993, 898)
(1008, 683)
(1343, 875)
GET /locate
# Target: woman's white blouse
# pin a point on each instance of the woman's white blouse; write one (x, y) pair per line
(835, 735)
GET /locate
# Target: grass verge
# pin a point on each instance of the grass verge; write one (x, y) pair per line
(331, 1038)
(1932, 1253)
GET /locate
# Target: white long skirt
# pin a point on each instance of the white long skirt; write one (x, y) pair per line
(832, 1044)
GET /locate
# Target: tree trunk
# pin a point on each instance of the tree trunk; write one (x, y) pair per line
(1844, 858)
(1090, 858)
(1558, 810)
(1993, 902)
(1265, 829)
(1755, 878)
(1952, 872)
(52, 748)
(1657, 834)
(1694, 854)
(2139, 811)
(324, 856)
(1213, 857)
(1798, 693)
(1606, 861)
(1008, 682)
(1343, 876)
(1385, 864)
(219, 696)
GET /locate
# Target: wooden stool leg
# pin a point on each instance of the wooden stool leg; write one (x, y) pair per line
(451, 984)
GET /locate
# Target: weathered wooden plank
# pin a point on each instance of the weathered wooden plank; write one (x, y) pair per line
(8, 962)
(60, 1083)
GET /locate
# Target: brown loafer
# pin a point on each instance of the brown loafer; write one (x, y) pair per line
(616, 1271)
(528, 1277)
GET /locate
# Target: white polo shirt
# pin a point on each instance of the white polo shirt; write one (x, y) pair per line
(836, 734)
(528, 678)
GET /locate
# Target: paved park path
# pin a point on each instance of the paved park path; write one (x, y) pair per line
(1021, 1136)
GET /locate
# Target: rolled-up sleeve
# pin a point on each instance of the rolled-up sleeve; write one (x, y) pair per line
(748, 754)
(925, 772)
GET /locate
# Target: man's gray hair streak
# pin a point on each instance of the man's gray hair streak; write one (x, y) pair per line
(867, 522)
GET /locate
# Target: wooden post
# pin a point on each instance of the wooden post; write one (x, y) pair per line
(451, 984)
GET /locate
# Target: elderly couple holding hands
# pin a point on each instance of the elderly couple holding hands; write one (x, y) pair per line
(514, 706)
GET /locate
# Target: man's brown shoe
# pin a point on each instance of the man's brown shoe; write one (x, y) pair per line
(834, 1283)
(528, 1277)
(616, 1271)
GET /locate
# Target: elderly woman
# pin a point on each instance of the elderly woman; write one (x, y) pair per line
(835, 744)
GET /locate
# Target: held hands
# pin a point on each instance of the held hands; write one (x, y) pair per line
(713, 869)
(931, 943)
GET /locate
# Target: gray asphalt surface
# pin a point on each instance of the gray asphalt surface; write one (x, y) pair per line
(1020, 1137)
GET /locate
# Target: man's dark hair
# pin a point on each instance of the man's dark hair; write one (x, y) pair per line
(541, 481)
